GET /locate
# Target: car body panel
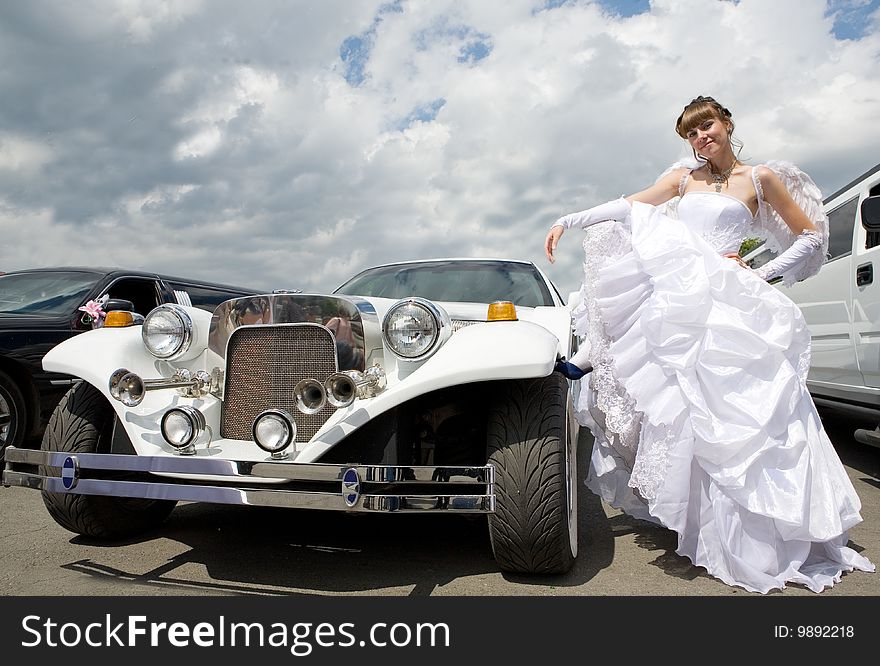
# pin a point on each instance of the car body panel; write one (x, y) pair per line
(484, 351)
(26, 338)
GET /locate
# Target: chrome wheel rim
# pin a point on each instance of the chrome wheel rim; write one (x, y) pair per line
(570, 481)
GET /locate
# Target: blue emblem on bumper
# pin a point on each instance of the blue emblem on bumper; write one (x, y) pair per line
(69, 472)
(351, 486)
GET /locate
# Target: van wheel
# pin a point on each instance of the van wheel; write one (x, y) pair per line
(83, 423)
(531, 445)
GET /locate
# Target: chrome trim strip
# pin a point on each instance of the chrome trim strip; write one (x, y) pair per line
(261, 470)
(352, 321)
(458, 324)
(258, 497)
(863, 411)
(867, 391)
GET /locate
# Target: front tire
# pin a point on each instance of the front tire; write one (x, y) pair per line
(533, 449)
(83, 423)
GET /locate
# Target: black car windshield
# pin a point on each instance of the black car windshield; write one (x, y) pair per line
(459, 281)
(44, 293)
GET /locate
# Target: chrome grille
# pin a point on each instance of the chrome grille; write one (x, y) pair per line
(264, 364)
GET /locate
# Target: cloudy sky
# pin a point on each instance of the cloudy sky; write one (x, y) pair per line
(289, 144)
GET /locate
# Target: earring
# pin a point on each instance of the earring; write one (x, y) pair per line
(697, 156)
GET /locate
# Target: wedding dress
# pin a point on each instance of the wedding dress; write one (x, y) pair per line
(698, 399)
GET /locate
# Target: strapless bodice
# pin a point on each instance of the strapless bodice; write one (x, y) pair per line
(722, 220)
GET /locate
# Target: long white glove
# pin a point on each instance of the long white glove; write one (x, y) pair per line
(804, 246)
(612, 210)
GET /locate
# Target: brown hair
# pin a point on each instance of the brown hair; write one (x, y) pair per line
(699, 110)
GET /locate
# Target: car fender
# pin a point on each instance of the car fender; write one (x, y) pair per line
(94, 355)
(491, 351)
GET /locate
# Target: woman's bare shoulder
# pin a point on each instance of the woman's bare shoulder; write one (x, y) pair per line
(768, 178)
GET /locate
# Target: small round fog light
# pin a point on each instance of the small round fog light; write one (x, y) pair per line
(274, 430)
(181, 427)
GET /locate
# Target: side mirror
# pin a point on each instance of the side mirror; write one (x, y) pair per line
(118, 304)
(871, 213)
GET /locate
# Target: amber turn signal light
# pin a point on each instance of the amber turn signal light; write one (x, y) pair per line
(118, 319)
(501, 311)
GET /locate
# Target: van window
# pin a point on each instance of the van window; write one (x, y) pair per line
(142, 292)
(841, 221)
(872, 238)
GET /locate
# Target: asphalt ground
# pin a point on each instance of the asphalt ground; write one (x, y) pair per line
(208, 550)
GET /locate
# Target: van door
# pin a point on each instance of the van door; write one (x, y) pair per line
(826, 301)
(866, 292)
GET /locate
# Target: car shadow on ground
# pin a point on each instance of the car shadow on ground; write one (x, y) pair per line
(862, 457)
(260, 550)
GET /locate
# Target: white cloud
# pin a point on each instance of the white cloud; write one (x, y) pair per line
(200, 144)
(143, 18)
(23, 155)
(232, 129)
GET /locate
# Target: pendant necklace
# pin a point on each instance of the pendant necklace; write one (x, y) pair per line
(722, 177)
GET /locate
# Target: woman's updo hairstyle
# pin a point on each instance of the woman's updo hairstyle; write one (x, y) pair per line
(699, 110)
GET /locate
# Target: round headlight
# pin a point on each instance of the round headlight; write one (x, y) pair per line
(274, 430)
(167, 331)
(413, 327)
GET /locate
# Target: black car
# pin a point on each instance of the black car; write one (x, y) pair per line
(39, 308)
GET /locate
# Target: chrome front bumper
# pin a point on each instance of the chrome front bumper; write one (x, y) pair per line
(356, 488)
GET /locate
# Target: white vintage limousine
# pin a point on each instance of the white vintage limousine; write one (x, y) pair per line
(424, 386)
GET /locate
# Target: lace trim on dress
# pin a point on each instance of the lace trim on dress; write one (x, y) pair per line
(759, 191)
(650, 469)
(727, 236)
(683, 182)
(603, 241)
(642, 446)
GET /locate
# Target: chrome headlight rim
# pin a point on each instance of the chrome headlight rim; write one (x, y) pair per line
(195, 419)
(186, 323)
(442, 324)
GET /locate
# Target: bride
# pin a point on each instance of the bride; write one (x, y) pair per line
(696, 392)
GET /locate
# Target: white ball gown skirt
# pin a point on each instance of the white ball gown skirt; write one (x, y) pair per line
(700, 411)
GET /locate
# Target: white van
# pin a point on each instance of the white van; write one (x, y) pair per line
(842, 304)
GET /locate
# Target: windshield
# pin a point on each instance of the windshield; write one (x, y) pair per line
(459, 281)
(49, 293)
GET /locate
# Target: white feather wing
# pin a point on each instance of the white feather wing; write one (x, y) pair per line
(779, 236)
